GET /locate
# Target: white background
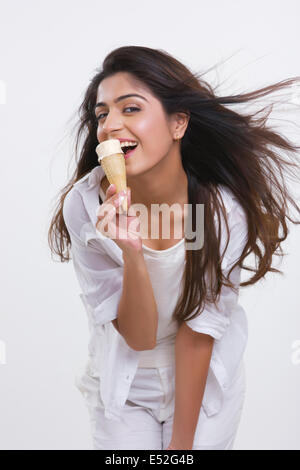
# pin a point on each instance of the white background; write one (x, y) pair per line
(49, 52)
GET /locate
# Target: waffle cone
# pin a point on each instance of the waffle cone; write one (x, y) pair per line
(115, 170)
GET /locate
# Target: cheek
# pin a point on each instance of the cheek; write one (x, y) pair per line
(153, 133)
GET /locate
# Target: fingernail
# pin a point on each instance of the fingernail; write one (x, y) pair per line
(119, 200)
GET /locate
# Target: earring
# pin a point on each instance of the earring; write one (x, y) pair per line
(177, 137)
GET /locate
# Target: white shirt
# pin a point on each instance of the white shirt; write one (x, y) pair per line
(98, 265)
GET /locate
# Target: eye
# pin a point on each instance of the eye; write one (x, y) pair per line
(99, 117)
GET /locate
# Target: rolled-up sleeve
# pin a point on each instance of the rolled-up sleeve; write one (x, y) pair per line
(215, 319)
(99, 277)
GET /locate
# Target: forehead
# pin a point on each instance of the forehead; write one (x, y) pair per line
(120, 83)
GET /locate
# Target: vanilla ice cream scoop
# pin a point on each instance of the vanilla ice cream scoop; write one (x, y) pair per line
(108, 147)
(111, 158)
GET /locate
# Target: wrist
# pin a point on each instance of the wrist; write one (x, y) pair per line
(181, 443)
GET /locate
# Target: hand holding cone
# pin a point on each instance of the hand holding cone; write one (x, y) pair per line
(111, 158)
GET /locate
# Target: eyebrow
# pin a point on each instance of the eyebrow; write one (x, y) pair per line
(101, 103)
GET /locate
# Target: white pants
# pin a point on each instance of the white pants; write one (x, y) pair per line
(147, 416)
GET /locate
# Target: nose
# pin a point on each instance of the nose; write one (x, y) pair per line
(112, 123)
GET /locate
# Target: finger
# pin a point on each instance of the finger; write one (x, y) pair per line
(118, 201)
(110, 191)
(106, 226)
(115, 199)
(113, 196)
(127, 193)
(116, 230)
(104, 209)
(128, 196)
(123, 195)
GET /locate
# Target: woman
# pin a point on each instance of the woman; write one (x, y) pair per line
(165, 368)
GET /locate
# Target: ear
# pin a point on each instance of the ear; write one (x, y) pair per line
(180, 123)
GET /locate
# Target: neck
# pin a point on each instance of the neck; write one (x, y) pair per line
(164, 183)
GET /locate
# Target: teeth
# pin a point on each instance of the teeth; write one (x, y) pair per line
(128, 144)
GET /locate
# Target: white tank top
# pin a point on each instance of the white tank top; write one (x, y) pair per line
(166, 268)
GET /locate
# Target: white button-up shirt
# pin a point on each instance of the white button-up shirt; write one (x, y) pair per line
(98, 265)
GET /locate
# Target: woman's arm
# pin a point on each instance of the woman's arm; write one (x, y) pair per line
(137, 313)
(193, 353)
(111, 293)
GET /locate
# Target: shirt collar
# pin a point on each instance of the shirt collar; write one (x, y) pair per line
(95, 176)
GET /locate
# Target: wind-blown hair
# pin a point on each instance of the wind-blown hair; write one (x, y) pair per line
(220, 146)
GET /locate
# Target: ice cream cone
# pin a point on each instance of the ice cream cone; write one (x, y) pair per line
(111, 158)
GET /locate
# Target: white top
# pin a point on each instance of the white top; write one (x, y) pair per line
(98, 265)
(165, 268)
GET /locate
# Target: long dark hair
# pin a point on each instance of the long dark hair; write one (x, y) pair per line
(220, 146)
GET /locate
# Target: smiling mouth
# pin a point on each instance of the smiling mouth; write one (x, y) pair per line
(128, 151)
